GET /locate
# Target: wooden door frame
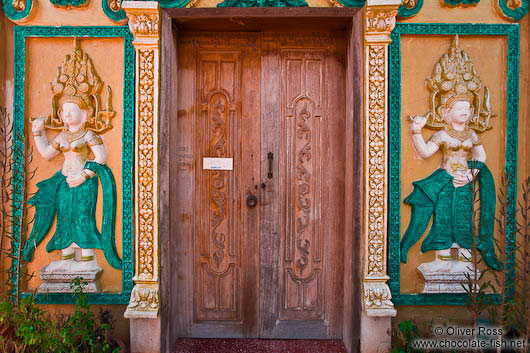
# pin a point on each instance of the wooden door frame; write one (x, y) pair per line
(230, 19)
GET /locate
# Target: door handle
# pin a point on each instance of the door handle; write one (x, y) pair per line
(252, 201)
(270, 157)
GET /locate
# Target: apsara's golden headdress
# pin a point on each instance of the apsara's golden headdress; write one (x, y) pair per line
(454, 78)
(77, 81)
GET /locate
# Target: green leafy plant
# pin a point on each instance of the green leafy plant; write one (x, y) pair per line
(25, 327)
(403, 335)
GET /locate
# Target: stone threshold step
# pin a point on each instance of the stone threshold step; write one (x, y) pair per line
(246, 345)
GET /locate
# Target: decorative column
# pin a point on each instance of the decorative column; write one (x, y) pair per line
(379, 21)
(378, 309)
(144, 24)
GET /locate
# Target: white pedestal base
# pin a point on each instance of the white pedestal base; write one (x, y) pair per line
(446, 276)
(58, 275)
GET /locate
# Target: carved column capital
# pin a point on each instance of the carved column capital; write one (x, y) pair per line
(144, 20)
(377, 298)
(144, 302)
(379, 21)
(144, 24)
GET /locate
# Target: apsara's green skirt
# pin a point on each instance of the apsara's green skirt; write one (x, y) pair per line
(76, 214)
(452, 215)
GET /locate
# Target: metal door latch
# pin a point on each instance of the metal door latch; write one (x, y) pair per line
(270, 157)
(252, 201)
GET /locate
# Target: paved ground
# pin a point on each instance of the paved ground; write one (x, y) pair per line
(220, 345)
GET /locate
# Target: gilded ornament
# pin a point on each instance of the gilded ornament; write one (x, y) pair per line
(193, 3)
(146, 171)
(514, 4)
(380, 20)
(114, 5)
(76, 77)
(19, 5)
(410, 8)
(455, 75)
(377, 299)
(409, 4)
(144, 302)
(144, 24)
(376, 160)
(335, 3)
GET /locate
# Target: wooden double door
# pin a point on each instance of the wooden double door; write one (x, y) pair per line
(260, 244)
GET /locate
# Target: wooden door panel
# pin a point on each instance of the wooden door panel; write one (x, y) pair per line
(303, 107)
(301, 186)
(223, 233)
(217, 284)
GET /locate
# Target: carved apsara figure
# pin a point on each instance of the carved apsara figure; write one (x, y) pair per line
(71, 193)
(458, 112)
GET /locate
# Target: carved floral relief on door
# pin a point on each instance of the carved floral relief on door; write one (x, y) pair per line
(217, 283)
(302, 113)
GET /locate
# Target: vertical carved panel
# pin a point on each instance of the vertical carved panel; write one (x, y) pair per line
(217, 284)
(303, 110)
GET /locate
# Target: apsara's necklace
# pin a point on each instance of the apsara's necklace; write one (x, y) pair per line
(72, 136)
(459, 135)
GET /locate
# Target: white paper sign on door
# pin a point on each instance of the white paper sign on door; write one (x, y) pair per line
(209, 163)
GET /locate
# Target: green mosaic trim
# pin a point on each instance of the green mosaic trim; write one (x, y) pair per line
(354, 3)
(68, 3)
(512, 104)
(116, 16)
(15, 14)
(263, 3)
(454, 3)
(171, 4)
(406, 12)
(21, 33)
(516, 14)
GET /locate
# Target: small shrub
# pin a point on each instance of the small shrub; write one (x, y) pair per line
(402, 336)
(25, 327)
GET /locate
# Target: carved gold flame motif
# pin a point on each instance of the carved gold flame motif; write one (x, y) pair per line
(455, 76)
(514, 4)
(19, 5)
(76, 79)
(115, 5)
(409, 4)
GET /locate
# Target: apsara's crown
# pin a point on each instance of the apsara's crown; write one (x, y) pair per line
(76, 80)
(454, 78)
